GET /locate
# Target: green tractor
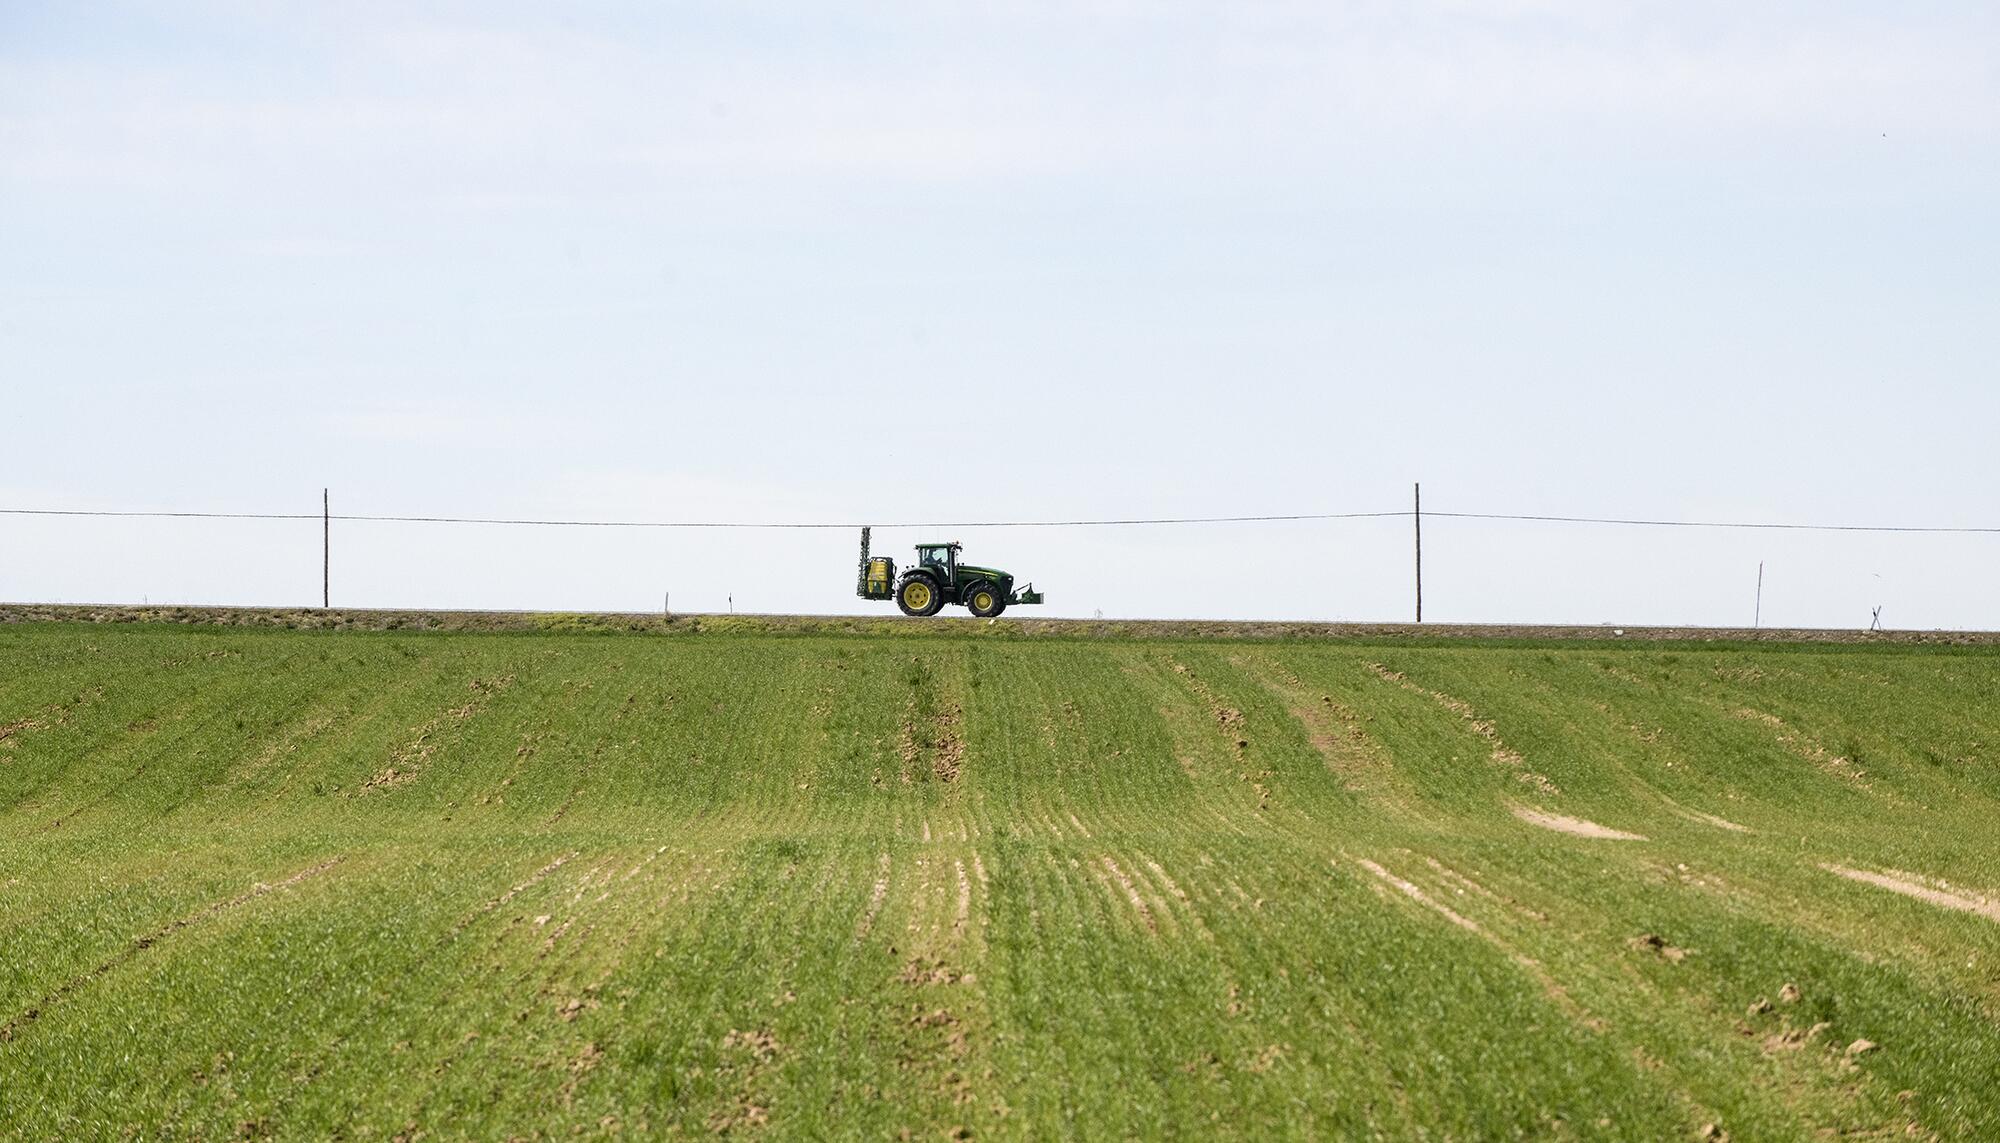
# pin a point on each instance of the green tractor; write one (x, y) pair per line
(937, 578)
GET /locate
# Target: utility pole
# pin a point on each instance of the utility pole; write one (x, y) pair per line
(325, 551)
(1418, 518)
(1757, 619)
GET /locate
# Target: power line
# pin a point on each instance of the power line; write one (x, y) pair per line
(1403, 513)
(164, 515)
(524, 522)
(1712, 523)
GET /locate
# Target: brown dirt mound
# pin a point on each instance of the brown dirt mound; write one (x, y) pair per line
(1659, 946)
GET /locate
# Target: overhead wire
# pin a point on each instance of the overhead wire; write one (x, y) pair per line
(563, 523)
(1067, 523)
(1753, 524)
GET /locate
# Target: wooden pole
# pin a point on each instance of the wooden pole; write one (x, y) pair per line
(325, 551)
(1418, 518)
(1757, 617)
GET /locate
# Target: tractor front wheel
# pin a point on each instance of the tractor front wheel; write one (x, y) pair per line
(919, 596)
(984, 600)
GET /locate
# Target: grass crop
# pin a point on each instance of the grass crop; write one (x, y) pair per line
(382, 884)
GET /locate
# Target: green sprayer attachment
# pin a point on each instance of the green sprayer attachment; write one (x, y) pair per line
(878, 573)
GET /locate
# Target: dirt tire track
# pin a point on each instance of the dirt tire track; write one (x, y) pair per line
(1332, 728)
(1550, 986)
(1132, 894)
(1802, 745)
(1227, 722)
(140, 944)
(876, 896)
(1465, 883)
(1576, 827)
(930, 745)
(1501, 754)
(1706, 819)
(1909, 885)
(51, 715)
(408, 762)
(509, 895)
(1173, 888)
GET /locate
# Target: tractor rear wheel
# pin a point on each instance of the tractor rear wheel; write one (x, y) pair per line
(984, 600)
(919, 596)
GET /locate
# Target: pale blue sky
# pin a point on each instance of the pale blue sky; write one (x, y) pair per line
(1027, 260)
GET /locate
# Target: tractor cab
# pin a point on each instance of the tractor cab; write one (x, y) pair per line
(943, 557)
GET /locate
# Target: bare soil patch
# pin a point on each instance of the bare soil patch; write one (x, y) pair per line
(746, 1057)
(925, 970)
(1563, 823)
(10, 729)
(1694, 815)
(1935, 892)
(1659, 946)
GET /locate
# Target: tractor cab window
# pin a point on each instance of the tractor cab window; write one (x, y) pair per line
(934, 556)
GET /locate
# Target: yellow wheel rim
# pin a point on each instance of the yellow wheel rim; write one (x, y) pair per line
(983, 600)
(917, 595)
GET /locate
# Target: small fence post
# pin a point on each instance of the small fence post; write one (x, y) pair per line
(325, 551)
(1417, 517)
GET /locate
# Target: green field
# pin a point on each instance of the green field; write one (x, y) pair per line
(363, 885)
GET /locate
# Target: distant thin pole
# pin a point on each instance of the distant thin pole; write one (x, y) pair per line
(1417, 517)
(1757, 618)
(325, 550)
